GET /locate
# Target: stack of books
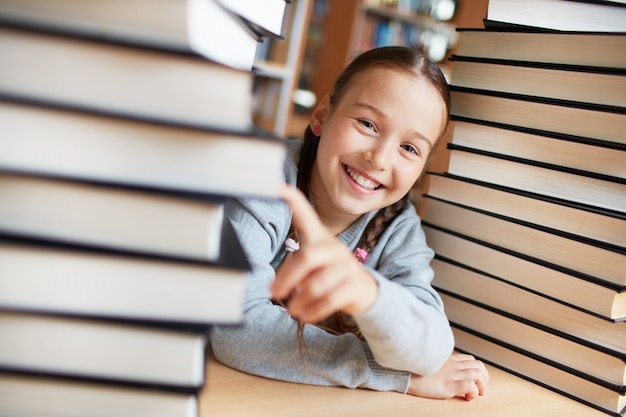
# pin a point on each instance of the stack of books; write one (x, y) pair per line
(126, 126)
(529, 221)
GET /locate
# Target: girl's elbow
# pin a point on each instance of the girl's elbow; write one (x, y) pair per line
(223, 347)
(438, 353)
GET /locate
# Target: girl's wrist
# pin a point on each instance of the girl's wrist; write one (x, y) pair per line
(367, 294)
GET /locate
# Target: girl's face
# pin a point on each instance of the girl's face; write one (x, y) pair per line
(374, 143)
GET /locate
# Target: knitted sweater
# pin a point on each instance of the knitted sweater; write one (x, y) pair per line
(406, 329)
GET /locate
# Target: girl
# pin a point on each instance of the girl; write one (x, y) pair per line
(359, 264)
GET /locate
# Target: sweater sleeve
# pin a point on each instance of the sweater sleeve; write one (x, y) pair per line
(267, 344)
(406, 328)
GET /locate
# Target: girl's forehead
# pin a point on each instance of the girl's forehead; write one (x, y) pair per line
(382, 80)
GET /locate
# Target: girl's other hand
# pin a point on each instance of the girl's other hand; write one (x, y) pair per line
(461, 376)
(323, 277)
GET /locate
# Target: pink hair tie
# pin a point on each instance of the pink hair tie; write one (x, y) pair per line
(360, 254)
(291, 245)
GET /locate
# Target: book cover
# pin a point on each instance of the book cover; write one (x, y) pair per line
(604, 262)
(602, 367)
(532, 368)
(202, 26)
(111, 216)
(595, 49)
(100, 350)
(565, 15)
(150, 83)
(70, 142)
(71, 397)
(54, 277)
(585, 221)
(596, 122)
(590, 85)
(596, 157)
(524, 277)
(604, 192)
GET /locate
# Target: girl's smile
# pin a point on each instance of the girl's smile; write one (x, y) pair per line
(362, 179)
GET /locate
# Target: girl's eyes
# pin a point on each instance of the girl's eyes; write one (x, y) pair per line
(410, 148)
(406, 146)
(367, 124)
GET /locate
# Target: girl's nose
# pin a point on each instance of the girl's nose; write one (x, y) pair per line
(379, 155)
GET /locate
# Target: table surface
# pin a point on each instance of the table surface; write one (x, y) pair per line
(229, 392)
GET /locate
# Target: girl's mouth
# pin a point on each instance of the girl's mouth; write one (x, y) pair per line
(361, 180)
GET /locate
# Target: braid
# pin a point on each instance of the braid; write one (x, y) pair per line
(308, 152)
(380, 222)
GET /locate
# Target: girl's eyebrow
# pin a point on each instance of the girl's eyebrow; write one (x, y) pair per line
(370, 107)
(378, 111)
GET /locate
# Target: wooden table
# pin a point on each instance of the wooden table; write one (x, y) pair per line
(230, 393)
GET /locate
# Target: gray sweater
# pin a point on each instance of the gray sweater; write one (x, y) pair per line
(406, 329)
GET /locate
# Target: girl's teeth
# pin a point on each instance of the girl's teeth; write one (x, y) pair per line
(363, 182)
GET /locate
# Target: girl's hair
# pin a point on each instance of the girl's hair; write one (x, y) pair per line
(402, 59)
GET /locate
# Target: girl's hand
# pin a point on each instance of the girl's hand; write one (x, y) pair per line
(323, 277)
(461, 376)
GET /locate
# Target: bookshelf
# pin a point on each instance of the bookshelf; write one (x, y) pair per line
(277, 67)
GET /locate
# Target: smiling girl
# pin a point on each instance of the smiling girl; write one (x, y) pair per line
(344, 253)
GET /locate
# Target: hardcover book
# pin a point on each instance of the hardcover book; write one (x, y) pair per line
(202, 26)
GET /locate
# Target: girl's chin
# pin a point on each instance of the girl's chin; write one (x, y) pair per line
(356, 206)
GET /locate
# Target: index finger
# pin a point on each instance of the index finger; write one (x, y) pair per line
(305, 218)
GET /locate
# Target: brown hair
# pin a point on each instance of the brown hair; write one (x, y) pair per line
(402, 59)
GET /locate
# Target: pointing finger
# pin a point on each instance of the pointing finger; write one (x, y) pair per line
(305, 218)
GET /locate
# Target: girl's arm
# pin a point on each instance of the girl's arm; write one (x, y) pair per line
(406, 327)
(266, 344)
(401, 318)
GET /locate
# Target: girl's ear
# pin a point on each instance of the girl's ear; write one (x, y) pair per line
(320, 112)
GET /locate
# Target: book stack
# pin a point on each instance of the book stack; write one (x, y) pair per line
(529, 221)
(126, 126)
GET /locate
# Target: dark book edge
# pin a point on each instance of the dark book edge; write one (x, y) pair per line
(201, 196)
(527, 377)
(601, 3)
(253, 132)
(544, 133)
(231, 256)
(544, 229)
(596, 380)
(542, 100)
(501, 26)
(541, 65)
(197, 328)
(531, 291)
(510, 27)
(190, 328)
(48, 28)
(598, 281)
(111, 382)
(261, 32)
(63, 32)
(534, 196)
(232, 252)
(208, 198)
(526, 289)
(560, 168)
